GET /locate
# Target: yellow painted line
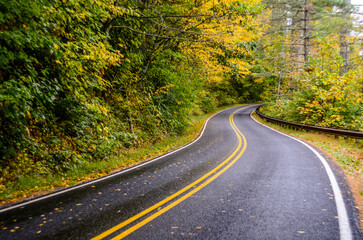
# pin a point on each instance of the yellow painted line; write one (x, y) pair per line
(152, 217)
(141, 214)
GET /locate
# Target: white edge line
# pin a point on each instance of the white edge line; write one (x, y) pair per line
(344, 226)
(114, 174)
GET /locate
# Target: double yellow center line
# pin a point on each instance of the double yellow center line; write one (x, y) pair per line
(197, 185)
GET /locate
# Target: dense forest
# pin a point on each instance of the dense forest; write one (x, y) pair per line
(80, 79)
(311, 50)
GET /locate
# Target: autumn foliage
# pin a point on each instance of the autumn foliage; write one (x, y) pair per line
(82, 80)
(324, 87)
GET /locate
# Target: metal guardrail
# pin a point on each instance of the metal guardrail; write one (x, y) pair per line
(333, 131)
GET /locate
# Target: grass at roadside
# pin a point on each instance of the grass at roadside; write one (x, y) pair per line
(347, 152)
(31, 186)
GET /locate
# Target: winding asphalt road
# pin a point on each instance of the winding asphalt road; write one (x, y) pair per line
(238, 180)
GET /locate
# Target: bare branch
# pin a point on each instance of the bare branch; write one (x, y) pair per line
(160, 36)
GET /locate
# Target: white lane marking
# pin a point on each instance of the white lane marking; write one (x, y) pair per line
(344, 226)
(114, 174)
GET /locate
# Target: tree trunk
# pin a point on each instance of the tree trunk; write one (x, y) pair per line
(344, 42)
(306, 31)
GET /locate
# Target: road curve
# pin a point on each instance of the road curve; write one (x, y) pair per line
(239, 180)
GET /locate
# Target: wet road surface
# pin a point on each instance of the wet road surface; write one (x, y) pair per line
(239, 180)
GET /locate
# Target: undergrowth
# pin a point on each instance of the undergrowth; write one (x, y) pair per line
(27, 186)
